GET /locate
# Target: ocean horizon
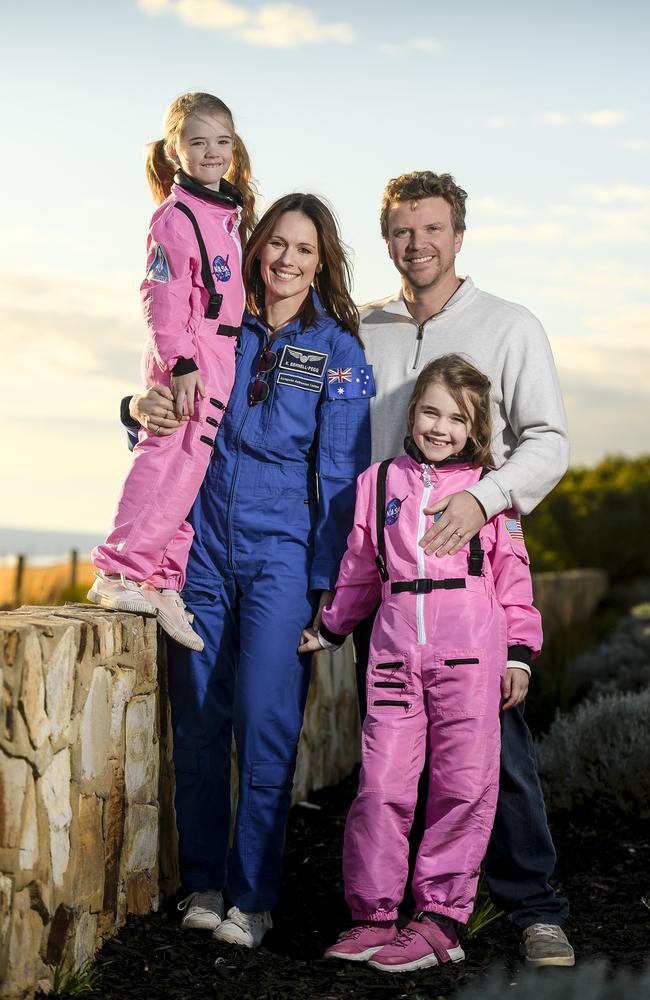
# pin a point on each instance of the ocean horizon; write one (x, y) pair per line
(43, 547)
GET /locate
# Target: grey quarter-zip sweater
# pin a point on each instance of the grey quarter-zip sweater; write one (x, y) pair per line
(530, 439)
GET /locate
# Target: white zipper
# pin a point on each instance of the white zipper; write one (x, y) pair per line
(419, 598)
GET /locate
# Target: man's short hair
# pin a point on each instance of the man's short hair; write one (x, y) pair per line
(420, 184)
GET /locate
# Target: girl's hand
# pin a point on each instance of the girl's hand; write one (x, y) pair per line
(309, 641)
(326, 597)
(514, 687)
(154, 410)
(184, 390)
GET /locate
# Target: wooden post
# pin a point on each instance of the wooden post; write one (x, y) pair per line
(74, 562)
(20, 575)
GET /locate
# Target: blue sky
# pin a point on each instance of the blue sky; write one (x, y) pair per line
(539, 111)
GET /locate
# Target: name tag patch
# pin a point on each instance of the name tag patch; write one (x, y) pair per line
(306, 362)
(298, 381)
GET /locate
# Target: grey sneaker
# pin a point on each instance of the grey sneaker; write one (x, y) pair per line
(242, 928)
(546, 944)
(202, 911)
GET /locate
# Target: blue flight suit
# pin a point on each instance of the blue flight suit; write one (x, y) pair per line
(270, 522)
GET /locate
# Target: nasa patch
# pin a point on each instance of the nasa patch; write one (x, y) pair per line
(220, 268)
(393, 510)
(158, 269)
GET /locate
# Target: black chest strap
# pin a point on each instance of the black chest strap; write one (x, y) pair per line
(213, 307)
(476, 554)
(382, 472)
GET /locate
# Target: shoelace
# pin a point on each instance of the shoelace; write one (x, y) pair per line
(202, 900)
(548, 930)
(245, 920)
(403, 939)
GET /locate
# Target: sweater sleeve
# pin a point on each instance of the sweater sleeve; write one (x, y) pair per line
(167, 290)
(343, 451)
(358, 588)
(533, 404)
(514, 589)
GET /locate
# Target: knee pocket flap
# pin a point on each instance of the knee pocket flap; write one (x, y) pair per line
(272, 774)
(461, 683)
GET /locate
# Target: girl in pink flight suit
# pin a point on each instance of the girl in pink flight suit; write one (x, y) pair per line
(453, 636)
(193, 300)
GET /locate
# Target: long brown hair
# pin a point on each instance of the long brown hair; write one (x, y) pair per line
(160, 169)
(462, 381)
(332, 283)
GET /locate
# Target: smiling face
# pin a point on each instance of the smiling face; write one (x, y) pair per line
(289, 260)
(421, 241)
(204, 149)
(439, 428)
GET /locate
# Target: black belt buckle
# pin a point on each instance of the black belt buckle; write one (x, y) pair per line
(214, 306)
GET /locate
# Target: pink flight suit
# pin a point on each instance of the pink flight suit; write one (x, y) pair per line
(150, 538)
(433, 684)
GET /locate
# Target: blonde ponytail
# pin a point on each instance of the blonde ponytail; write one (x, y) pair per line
(240, 174)
(159, 170)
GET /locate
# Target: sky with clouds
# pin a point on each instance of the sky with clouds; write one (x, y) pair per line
(540, 111)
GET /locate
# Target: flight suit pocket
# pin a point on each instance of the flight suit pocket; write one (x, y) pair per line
(273, 774)
(460, 683)
(388, 682)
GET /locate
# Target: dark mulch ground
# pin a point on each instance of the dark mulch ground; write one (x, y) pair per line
(604, 869)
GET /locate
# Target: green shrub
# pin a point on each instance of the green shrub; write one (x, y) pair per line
(591, 981)
(595, 517)
(621, 662)
(597, 758)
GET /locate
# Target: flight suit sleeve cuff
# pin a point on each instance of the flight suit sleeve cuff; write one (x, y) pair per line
(522, 654)
(332, 638)
(184, 366)
(125, 417)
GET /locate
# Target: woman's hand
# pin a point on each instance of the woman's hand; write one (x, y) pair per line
(154, 409)
(184, 389)
(309, 641)
(462, 518)
(514, 687)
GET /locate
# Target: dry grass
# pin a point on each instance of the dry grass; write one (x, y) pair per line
(44, 584)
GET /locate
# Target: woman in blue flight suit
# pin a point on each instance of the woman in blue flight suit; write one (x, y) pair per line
(270, 527)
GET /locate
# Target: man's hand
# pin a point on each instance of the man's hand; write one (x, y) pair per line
(184, 390)
(462, 518)
(514, 687)
(154, 410)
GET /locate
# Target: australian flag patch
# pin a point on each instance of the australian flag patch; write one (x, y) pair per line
(158, 269)
(356, 382)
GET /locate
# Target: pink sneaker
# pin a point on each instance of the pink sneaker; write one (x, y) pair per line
(362, 941)
(420, 944)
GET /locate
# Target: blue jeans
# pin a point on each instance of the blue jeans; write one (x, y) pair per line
(520, 857)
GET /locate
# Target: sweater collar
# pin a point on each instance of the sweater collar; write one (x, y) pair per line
(452, 461)
(397, 306)
(228, 196)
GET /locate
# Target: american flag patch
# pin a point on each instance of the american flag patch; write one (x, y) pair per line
(514, 529)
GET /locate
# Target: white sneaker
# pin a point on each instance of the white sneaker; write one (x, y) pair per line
(172, 616)
(245, 929)
(119, 594)
(202, 911)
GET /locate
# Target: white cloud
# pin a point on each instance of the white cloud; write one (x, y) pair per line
(498, 121)
(555, 118)
(273, 25)
(635, 145)
(605, 118)
(616, 193)
(412, 45)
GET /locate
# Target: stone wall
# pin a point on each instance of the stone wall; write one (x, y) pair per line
(87, 829)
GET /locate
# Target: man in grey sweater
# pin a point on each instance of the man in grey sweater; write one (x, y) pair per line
(436, 312)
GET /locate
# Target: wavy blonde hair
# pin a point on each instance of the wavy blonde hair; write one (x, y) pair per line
(464, 383)
(160, 169)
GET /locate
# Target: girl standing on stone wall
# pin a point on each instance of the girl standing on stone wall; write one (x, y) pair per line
(193, 299)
